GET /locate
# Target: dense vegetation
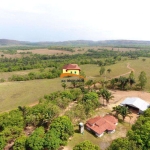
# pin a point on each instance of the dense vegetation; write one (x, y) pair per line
(51, 130)
(138, 138)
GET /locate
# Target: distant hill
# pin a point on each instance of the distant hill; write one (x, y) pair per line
(6, 42)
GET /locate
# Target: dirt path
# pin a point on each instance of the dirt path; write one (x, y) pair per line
(128, 66)
(68, 108)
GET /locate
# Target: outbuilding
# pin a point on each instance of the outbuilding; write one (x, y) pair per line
(136, 103)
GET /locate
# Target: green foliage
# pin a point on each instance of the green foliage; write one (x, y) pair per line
(123, 144)
(51, 140)
(10, 133)
(13, 118)
(102, 70)
(142, 79)
(20, 143)
(64, 128)
(2, 142)
(41, 114)
(38, 75)
(122, 110)
(106, 95)
(64, 85)
(140, 131)
(91, 102)
(36, 140)
(86, 145)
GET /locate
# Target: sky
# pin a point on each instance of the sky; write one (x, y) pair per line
(62, 20)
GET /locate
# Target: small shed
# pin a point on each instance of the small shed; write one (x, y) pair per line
(136, 103)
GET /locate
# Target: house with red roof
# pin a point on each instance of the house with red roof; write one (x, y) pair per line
(99, 125)
(72, 69)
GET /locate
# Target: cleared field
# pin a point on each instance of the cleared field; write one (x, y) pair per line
(92, 71)
(139, 66)
(45, 51)
(13, 94)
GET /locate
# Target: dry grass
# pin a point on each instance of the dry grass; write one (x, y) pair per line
(13, 94)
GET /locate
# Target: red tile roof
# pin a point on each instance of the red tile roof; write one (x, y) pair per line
(101, 124)
(71, 66)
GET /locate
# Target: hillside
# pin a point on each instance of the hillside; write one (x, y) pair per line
(7, 42)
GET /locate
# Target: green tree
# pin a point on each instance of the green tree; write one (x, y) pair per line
(123, 144)
(20, 143)
(109, 70)
(91, 102)
(36, 140)
(51, 140)
(142, 79)
(64, 85)
(63, 127)
(108, 96)
(2, 142)
(102, 70)
(123, 82)
(131, 78)
(112, 83)
(86, 145)
(89, 83)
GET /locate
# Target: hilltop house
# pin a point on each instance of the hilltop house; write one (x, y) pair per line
(72, 69)
(99, 125)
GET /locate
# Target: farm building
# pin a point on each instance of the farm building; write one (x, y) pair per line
(99, 125)
(136, 103)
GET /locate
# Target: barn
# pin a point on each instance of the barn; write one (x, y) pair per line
(136, 103)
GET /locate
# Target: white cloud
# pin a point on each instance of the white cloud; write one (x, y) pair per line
(78, 19)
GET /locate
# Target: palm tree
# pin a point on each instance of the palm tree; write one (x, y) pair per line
(122, 110)
(123, 82)
(108, 96)
(105, 95)
(102, 94)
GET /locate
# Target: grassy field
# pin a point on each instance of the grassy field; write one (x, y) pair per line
(13, 94)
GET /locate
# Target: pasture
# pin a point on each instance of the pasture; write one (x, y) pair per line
(25, 93)
(13, 94)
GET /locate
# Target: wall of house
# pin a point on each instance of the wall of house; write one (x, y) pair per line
(110, 131)
(73, 71)
(99, 135)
